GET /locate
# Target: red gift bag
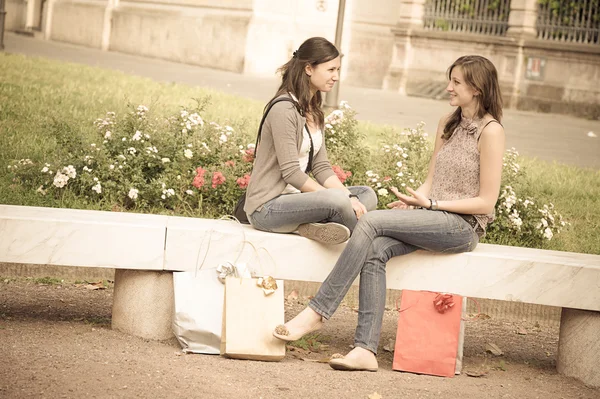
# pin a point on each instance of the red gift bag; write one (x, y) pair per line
(427, 339)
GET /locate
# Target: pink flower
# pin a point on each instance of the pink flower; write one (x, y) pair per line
(242, 182)
(199, 179)
(248, 155)
(340, 173)
(386, 179)
(217, 179)
(230, 163)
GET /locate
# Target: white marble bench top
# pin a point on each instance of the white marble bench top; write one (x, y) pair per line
(154, 242)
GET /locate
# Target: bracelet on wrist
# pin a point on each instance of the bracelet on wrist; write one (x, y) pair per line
(352, 196)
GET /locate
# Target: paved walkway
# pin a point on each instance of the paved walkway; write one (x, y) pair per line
(551, 137)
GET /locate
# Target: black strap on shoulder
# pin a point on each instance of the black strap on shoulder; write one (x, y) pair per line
(493, 120)
(275, 101)
(484, 126)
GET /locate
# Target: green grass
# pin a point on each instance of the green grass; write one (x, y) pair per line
(42, 101)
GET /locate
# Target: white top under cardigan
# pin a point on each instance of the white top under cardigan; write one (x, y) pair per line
(317, 138)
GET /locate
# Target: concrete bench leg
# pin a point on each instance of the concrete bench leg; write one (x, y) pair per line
(143, 303)
(579, 345)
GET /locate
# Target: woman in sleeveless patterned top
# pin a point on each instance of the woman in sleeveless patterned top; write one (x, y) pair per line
(448, 213)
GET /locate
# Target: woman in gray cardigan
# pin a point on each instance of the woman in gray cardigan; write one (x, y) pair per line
(281, 196)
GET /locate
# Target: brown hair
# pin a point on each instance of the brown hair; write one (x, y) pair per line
(294, 80)
(481, 75)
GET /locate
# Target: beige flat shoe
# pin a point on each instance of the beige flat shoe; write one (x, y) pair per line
(281, 332)
(339, 362)
(326, 233)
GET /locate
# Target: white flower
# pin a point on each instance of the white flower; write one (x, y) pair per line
(111, 167)
(137, 136)
(133, 193)
(251, 146)
(544, 222)
(399, 164)
(41, 190)
(223, 138)
(124, 139)
(132, 150)
(189, 192)
(163, 197)
(190, 146)
(93, 145)
(382, 191)
(184, 131)
(97, 188)
(165, 160)
(107, 134)
(45, 169)
(548, 233)
(405, 155)
(60, 180)
(95, 179)
(188, 154)
(70, 171)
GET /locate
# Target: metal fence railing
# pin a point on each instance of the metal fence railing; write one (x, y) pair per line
(486, 17)
(569, 21)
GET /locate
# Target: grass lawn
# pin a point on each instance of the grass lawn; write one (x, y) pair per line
(45, 103)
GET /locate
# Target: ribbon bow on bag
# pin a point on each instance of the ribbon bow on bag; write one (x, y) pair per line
(443, 302)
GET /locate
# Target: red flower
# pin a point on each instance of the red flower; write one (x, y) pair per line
(340, 173)
(248, 155)
(242, 182)
(386, 179)
(199, 179)
(217, 179)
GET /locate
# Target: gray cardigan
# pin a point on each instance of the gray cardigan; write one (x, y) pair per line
(276, 162)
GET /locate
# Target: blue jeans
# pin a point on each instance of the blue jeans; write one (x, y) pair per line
(379, 236)
(283, 214)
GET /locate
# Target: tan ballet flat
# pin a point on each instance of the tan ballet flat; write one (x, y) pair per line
(281, 332)
(339, 362)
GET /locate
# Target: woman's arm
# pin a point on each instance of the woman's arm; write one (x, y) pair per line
(491, 150)
(283, 123)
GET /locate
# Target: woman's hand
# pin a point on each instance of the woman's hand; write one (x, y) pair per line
(414, 199)
(359, 208)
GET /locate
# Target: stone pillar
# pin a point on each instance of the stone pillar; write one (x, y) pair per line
(522, 19)
(143, 303)
(521, 26)
(34, 10)
(410, 18)
(579, 346)
(110, 6)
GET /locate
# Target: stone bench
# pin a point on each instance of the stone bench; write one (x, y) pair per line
(146, 249)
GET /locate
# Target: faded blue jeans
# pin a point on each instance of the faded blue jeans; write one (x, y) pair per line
(283, 214)
(379, 236)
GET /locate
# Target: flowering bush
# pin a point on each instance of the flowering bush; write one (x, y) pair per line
(521, 219)
(140, 162)
(346, 146)
(400, 165)
(189, 166)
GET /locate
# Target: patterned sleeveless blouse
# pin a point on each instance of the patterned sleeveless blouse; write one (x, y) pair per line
(456, 174)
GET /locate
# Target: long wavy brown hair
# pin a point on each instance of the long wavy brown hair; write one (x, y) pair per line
(294, 80)
(481, 75)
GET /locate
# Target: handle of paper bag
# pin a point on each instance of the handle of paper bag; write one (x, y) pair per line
(209, 234)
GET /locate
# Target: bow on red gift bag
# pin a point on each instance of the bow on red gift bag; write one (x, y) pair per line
(427, 340)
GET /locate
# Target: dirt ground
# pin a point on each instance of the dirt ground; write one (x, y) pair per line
(56, 342)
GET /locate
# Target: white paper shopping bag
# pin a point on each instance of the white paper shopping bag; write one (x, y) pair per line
(198, 315)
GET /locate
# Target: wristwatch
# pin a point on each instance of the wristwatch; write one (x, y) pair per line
(352, 196)
(433, 205)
